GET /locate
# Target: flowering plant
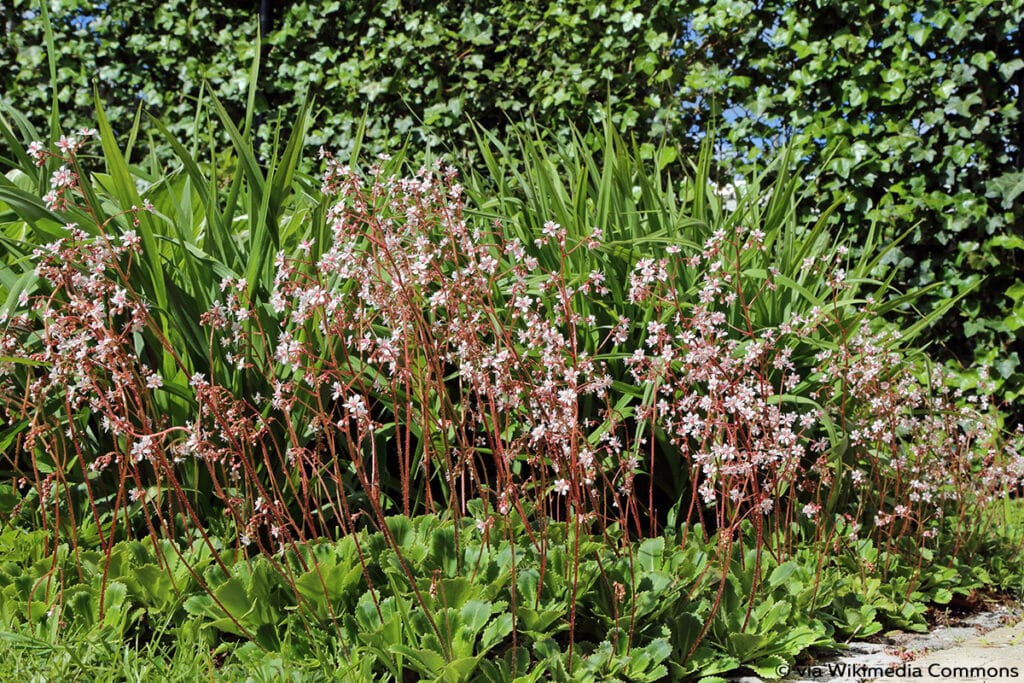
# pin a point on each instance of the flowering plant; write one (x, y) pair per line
(680, 365)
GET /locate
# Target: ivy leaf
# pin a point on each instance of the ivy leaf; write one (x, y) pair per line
(1007, 366)
(1008, 69)
(1006, 187)
(918, 33)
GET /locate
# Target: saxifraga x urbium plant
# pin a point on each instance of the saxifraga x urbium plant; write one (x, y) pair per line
(420, 357)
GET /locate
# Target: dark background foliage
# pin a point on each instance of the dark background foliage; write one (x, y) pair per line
(917, 106)
(922, 103)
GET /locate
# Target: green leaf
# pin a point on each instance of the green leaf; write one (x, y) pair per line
(782, 574)
(1007, 365)
(115, 604)
(496, 631)
(151, 586)
(650, 553)
(128, 196)
(770, 666)
(918, 33)
(1007, 242)
(745, 646)
(475, 615)
(1016, 292)
(1010, 67)
(645, 664)
(427, 662)
(1007, 188)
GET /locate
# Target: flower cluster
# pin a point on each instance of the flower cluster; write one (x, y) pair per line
(917, 448)
(65, 178)
(419, 353)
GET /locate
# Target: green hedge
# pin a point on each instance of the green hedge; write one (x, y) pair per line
(415, 72)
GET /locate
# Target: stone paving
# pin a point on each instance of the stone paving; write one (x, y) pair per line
(978, 649)
(994, 656)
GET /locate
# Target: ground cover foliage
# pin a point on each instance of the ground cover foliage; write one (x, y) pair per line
(481, 608)
(915, 106)
(574, 415)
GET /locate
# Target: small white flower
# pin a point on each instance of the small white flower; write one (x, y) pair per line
(130, 239)
(356, 407)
